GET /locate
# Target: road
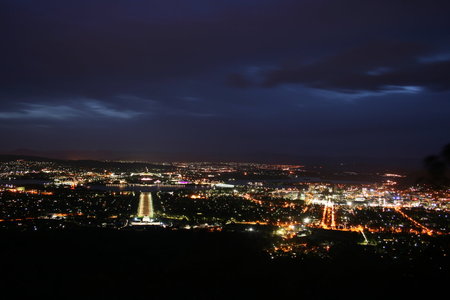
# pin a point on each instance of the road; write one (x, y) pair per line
(145, 209)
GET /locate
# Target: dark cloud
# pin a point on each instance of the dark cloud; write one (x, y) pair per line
(97, 48)
(85, 73)
(238, 80)
(373, 67)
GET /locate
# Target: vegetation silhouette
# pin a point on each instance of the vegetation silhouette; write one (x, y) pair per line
(437, 169)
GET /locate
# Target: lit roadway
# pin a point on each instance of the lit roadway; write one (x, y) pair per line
(145, 209)
(329, 221)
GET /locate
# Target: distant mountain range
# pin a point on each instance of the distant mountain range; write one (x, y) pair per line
(331, 163)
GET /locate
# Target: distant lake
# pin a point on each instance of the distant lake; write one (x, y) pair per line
(141, 188)
(153, 188)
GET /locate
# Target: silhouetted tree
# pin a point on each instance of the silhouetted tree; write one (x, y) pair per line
(446, 153)
(436, 166)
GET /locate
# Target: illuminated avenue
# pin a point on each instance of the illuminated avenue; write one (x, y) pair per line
(145, 209)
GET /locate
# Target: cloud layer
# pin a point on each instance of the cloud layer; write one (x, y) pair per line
(278, 76)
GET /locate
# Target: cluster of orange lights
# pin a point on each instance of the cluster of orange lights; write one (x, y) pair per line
(328, 216)
(425, 230)
(250, 198)
(328, 221)
(16, 220)
(56, 215)
(33, 192)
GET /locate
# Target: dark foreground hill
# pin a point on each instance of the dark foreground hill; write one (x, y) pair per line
(156, 264)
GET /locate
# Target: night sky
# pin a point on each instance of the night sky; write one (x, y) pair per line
(226, 80)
